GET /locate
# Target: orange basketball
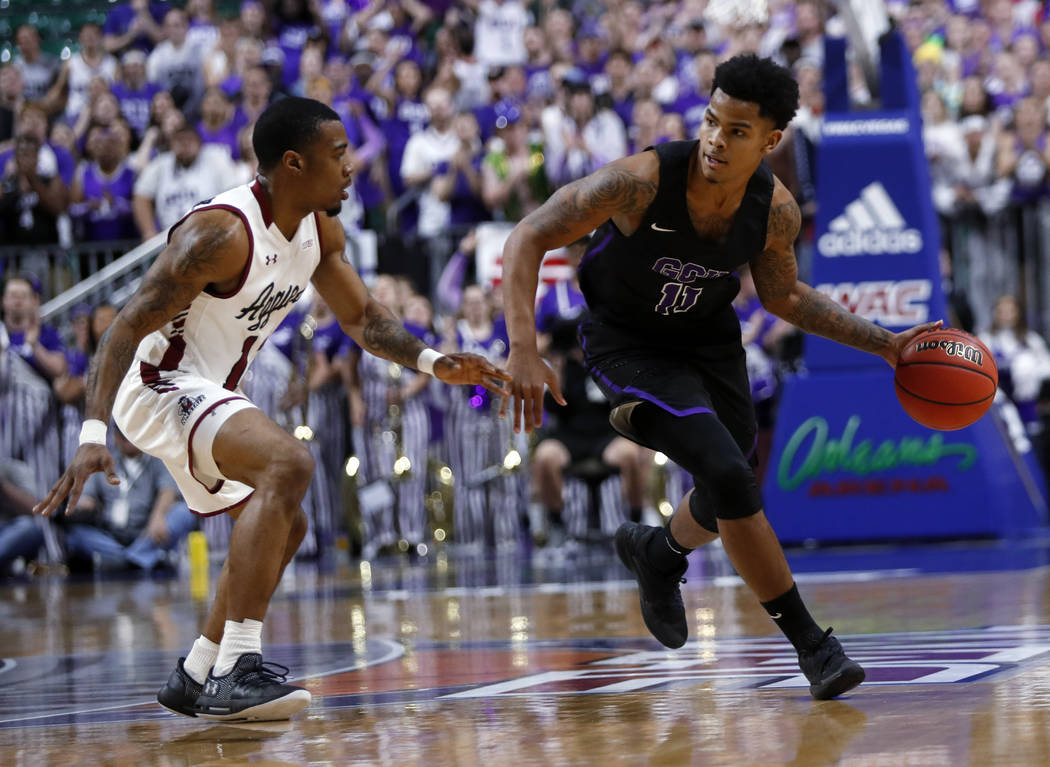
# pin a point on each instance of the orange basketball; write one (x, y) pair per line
(946, 379)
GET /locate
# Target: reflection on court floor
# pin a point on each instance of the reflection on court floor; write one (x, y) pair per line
(463, 659)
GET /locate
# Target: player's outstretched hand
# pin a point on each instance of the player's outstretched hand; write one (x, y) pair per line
(89, 458)
(529, 373)
(902, 339)
(472, 369)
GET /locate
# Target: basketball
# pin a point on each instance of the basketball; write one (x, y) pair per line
(946, 379)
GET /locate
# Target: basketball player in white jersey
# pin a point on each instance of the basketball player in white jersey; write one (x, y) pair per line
(168, 370)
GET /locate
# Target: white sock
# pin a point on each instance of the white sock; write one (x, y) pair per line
(237, 639)
(200, 659)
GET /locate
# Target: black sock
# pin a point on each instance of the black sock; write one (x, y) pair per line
(792, 617)
(664, 553)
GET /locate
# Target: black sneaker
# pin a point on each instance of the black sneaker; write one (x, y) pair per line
(829, 671)
(179, 695)
(662, 607)
(251, 692)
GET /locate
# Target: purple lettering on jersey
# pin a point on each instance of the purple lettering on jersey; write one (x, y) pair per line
(268, 302)
(689, 272)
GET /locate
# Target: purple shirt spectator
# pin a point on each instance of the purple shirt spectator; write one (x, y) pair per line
(49, 339)
(691, 106)
(118, 22)
(408, 117)
(111, 218)
(135, 104)
(226, 136)
(67, 166)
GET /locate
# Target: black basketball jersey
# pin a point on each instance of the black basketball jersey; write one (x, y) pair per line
(665, 280)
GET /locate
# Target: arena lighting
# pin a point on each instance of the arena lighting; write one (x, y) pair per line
(303, 433)
(439, 535)
(402, 466)
(665, 508)
(445, 475)
(660, 459)
(512, 460)
(353, 463)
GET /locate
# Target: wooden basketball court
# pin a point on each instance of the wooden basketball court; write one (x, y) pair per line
(464, 659)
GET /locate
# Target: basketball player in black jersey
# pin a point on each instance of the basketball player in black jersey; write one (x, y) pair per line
(673, 224)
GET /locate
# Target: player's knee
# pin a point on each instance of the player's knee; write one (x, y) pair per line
(702, 510)
(291, 471)
(734, 491)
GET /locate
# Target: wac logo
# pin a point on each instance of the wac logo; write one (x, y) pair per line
(886, 302)
(870, 225)
(954, 349)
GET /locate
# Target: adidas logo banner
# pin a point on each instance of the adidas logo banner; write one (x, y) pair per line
(870, 225)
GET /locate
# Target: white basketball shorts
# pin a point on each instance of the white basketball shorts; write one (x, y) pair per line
(176, 418)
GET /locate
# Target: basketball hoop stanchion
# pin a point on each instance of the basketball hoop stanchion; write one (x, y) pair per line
(847, 463)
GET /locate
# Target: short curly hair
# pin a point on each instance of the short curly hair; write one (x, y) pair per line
(761, 81)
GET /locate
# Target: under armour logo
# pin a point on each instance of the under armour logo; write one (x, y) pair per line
(271, 260)
(211, 688)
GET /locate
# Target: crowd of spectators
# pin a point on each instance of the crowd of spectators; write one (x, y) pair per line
(461, 113)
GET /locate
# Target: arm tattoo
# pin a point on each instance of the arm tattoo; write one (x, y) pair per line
(612, 189)
(814, 312)
(171, 284)
(776, 279)
(385, 337)
(785, 221)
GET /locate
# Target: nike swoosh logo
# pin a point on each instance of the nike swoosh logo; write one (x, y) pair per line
(661, 229)
(778, 616)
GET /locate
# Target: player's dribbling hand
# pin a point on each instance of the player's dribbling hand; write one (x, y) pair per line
(89, 458)
(529, 373)
(471, 369)
(902, 339)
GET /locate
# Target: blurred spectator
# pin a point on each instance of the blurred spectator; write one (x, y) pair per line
(11, 100)
(255, 97)
(216, 126)
(175, 65)
(963, 174)
(644, 130)
(1022, 355)
(219, 61)
(33, 121)
(427, 154)
(617, 85)
(1008, 85)
(38, 69)
(1024, 155)
(103, 112)
(311, 66)
(499, 32)
(32, 194)
(177, 180)
(36, 342)
(102, 188)
(975, 99)
(591, 49)
(692, 102)
(69, 94)
(69, 386)
(809, 29)
(297, 22)
(586, 138)
(114, 526)
(134, 92)
(458, 182)
(203, 32)
(135, 24)
(513, 177)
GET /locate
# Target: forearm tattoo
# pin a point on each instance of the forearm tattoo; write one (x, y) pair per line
(385, 337)
(814, 312)
(613, 189)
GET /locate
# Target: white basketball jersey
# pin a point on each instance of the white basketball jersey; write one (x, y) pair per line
(217, 336)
